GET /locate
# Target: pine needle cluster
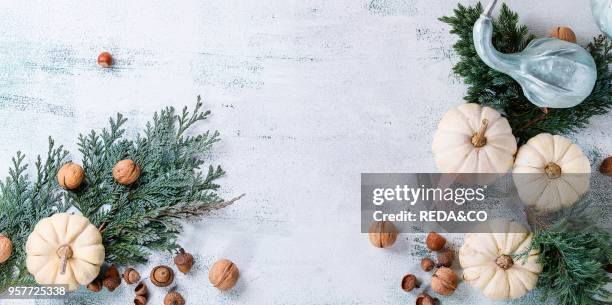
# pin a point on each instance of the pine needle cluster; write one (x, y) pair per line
(498, 90)
(134, 220)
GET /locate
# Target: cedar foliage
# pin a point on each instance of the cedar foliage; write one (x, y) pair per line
(135, 219)
(498, 90)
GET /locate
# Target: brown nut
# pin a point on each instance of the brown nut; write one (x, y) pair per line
(126, 172)
(174, 298)
(435, 241)
(409, 282)
(183, 261)
(105, 60)
(382, 234)
(140, 300)
(446, 258)
(6, 248)
(427, 264)
(70, 176)
(606, 166)
(563, 33)
(95, 286)
(223, 274)
(141, 289)
(425, 299)
(162, 276)
(131, 276)
(444, 281)
(111, 280)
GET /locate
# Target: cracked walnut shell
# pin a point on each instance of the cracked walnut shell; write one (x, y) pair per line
(223, 274)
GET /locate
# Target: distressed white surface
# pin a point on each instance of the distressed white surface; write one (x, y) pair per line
(307, 95)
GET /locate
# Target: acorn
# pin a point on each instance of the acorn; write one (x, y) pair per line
(131, 276)
(95, 286)
(409, 282)
(425, 299)
(446, 258)
(427, 264)
(141, 289)
(111, 280)
(563, 33)
(162, 276)
(183, 261)
(174, 298)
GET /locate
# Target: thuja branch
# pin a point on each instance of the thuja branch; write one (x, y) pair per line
(492, 88)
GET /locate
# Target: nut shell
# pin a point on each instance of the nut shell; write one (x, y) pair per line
(435, 241)
(131, 276)
(95, 286)
(111, 280)
(446, 258)
(563, 33)
(382, 234)
(444, 281)
(162, 276)
(223, 274)
(174, 298)
(425, 299)
(183, 261)
(6, 248)
(70, 176)
(105, 60)
(140, 300)
(141, 289)
(427, 264)
(606, 166)
(409, 282)
(126, 172)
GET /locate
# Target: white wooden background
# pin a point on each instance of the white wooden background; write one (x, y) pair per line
(307, 95)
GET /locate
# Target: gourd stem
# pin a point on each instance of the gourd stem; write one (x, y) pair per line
(504, 261)
(65, 253)
(552, 170)
(489, 8)
(478, 139)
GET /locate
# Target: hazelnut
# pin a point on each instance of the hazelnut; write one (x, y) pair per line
(140, 300)
(70, 176)
(427, 264)
(382, 234)
(409, 282)
(111, 280)
(446, 258)
(131, 276)
(174, 298)
(444, 281)
(563, 33)
(95, 286)
(141, 289)
(105, 60)
(126, 172)
(425, 299)
(435, 241)
(223, 274)
(606, 166)
(183, 261)
(162, 276)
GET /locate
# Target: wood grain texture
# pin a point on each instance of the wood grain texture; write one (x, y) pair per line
(307, 95)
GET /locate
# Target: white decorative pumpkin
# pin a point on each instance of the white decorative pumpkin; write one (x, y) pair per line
(474, 139)
(64, 249)
(491, 262)
(550, 173)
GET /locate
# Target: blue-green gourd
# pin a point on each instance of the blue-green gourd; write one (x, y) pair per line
(602, 12)
(552, 73)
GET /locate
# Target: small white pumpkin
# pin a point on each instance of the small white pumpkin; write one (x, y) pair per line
(490, 263)
(474, 139)
(551, 173)
(64, 249)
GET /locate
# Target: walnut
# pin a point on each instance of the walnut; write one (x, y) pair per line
(563, 33)
(382, 234)
(435, 241)
(126, 172)
(223, 274)
(70, 176)
(444, 281)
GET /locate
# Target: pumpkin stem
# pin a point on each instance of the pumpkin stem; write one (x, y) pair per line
(65, 253)
(552, 170)
(504, 261)
(478, 139)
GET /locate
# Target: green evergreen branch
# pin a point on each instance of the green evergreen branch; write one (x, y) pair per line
(495, 89)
